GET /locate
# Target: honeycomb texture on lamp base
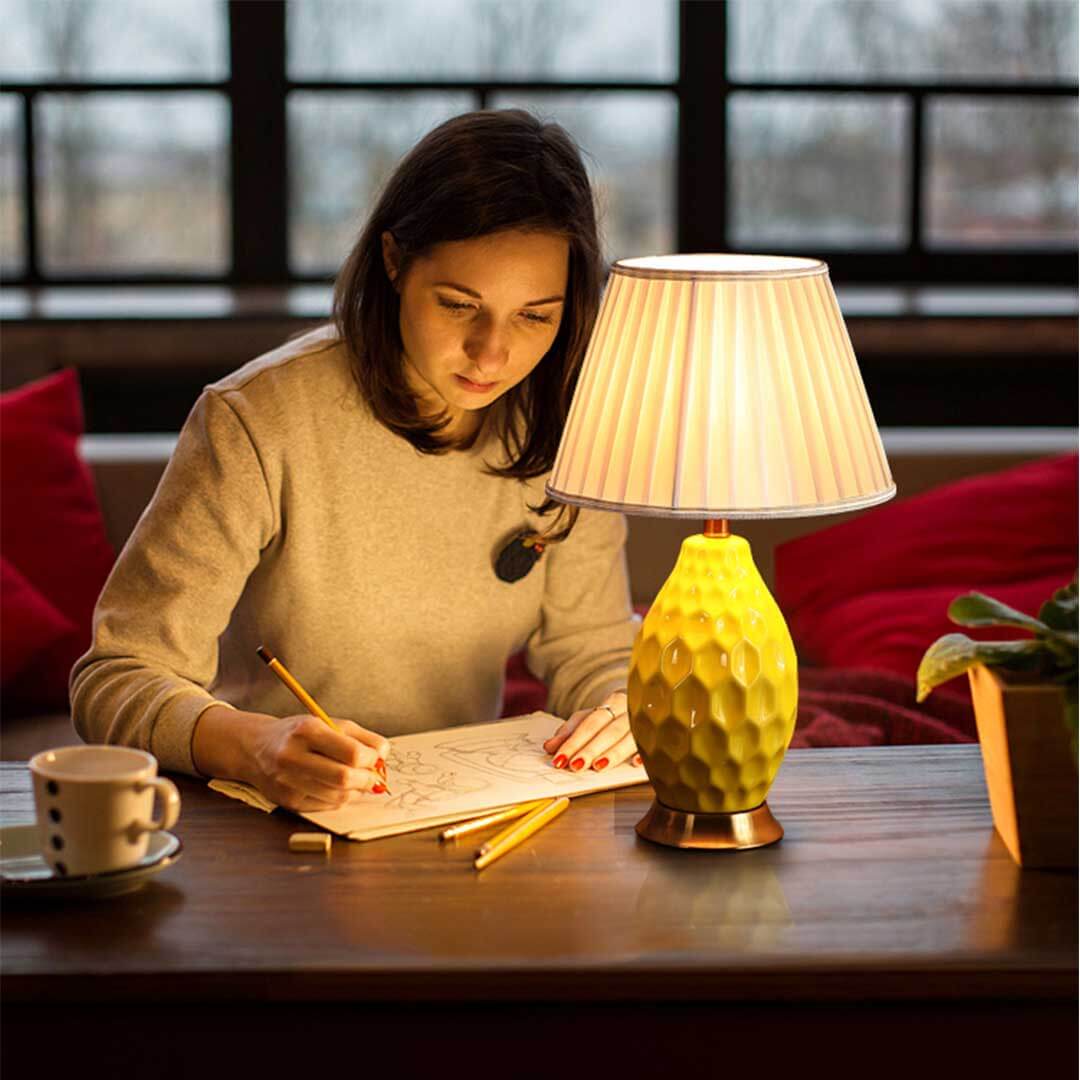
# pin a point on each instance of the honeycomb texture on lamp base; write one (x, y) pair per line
(713, 682)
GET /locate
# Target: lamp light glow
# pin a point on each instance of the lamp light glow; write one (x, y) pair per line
(716, 387)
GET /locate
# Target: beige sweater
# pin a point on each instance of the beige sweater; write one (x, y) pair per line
(288, 516)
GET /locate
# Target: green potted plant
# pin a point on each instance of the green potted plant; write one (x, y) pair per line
(1025, 697)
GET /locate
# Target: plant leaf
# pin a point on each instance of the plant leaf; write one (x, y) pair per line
(953, 654)
(1063, 647)
(1062, 610)
(977, 609)
(948, 657)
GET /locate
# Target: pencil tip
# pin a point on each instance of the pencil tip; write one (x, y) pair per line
(263, 654)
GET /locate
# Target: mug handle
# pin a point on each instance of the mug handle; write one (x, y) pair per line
(170, 801)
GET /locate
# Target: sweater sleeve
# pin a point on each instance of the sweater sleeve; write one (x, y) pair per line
(582, 647)
(171, 593)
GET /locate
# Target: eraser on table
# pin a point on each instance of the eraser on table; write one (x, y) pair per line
(310, 841)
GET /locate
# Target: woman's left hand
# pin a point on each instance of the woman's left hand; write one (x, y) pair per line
(598, 737)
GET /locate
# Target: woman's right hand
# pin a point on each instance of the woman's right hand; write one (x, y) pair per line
(302, 764)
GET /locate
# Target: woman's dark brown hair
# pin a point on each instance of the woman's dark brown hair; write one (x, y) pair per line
(478, 173)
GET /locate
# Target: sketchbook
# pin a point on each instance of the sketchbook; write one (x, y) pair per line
(438, 777)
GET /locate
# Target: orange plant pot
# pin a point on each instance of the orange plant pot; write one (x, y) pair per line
(1030, 774)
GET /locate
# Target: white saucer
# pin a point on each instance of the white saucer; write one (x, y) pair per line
(24, 871)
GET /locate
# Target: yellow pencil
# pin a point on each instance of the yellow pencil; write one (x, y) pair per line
(497, 817)
(503, 834)
(305, 699)
(509, 838)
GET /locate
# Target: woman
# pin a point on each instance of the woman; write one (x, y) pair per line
(344, 500)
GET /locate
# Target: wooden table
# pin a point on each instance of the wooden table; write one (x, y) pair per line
(889, 927)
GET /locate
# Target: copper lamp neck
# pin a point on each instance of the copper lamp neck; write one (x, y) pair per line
(717, 527)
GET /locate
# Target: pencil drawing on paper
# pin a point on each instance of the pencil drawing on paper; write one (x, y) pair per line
(461, 764)
(420, 784)
(506, 756)
(455, 773)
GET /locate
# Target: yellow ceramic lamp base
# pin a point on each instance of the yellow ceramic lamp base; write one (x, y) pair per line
(712, 695)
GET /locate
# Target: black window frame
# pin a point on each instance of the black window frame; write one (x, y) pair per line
(257, 89)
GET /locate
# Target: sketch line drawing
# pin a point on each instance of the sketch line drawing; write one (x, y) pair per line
(506, 756)
(419, 784)
(448, 775)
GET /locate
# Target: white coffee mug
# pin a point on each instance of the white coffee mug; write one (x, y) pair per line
(95, 807)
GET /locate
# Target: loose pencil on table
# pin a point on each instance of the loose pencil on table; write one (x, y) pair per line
(497, 817)
(521, 830)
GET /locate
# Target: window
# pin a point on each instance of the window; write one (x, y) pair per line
(929, 139)
(242, 143)
(110, 172)
(556, 58)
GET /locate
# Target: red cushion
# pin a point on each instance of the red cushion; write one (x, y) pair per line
(51, 528)
(873, 592)
(891, 630)
(29, 624)
(524, 692)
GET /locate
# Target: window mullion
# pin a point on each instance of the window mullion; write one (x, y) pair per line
(918, 172)
(30, 203)
(701, 182)
(259, 155)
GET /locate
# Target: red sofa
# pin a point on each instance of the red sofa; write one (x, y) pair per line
(864, 594)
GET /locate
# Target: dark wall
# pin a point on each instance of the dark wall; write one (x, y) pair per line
(144, 376)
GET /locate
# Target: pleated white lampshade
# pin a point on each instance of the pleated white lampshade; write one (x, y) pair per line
(720, 386)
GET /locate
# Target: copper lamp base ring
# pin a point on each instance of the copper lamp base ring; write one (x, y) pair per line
(737, 831)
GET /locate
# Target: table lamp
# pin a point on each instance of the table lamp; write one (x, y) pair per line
(717, 387)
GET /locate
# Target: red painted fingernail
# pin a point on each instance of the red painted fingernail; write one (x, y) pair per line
(378, 789)
(577, 763)
(600, 763)
(560, 761)
(637, 759)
